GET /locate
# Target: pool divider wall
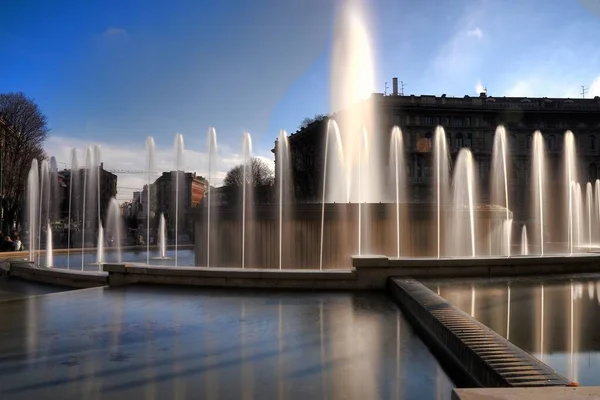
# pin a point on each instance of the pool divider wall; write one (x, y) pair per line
(55, 276)
(473, 354)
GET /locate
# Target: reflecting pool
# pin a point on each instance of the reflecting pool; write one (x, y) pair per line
(555, 319)
(159, 342)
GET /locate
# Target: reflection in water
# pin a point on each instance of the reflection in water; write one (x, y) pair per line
(551, 319)
(145, 342)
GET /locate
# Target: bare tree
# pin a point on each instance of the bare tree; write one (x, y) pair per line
(23, 130)
(258, 174)
(309, 120)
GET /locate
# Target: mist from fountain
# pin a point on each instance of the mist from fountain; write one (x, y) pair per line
(212, 159)
(499, 180)
(524, 243)
(100, 247)
(284, 164)
(570, 176)
(578, 211)
(150, 151)
(162, 236)
(441, 181)
(246, 187)
(538, 181)
(398, 163)
(33, 187)
(463, 214)
(178, 171)
(114, 226)
(49, 252)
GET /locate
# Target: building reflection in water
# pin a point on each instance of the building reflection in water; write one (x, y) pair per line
(552, 319)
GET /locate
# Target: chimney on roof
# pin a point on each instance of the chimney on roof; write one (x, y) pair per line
(395, 86)
(482, 95)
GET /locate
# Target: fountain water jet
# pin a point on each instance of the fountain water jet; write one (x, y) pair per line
(49, 252)
(247, 152)
(500, 184)
(44, 195)
(524, 244)
(73, 184)
(150, 170)
(283, 159)
(570, 176)
(464, 188)
(442, 177)
(178, 171)
(212, 155)
(162, 236)
(33, 187)
(538, 171)
(332, 128)
(589, 200)
(100, 247)
(398, 162)
(86, 178)
(114, 225)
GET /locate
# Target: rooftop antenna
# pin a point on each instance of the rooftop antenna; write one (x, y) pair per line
(385, 89)
(402, 84)
(485, 90)
(584, 90)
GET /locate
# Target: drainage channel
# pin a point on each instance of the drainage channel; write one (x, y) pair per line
(474, 354)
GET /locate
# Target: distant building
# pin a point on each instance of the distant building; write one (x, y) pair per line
(163, 198)
(107, 188)
(469, 122)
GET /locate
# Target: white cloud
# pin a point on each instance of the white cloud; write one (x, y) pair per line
(477, 33)
(479, 88)
(113, 32)
(595, 87)
(126, 157)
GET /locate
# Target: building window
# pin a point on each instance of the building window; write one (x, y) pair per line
(512, 142)
(593, 172)
(458, 122)
(550, 142)
(528, 142)
(469, 140)
(396, 120)
(592, 142)
(428, 121)
(459, 141)
(407, 120)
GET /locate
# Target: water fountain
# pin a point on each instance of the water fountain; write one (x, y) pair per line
(284, 183)
(49, 252)
(149, 173)
(463, 214)
(399, 179)
(499, 180)
(162, 237)
(589, 205)
(114, 226)
(178, 172)
(73, 193)
(570, 176)
(538, 160)
(246, 187)
(441, 180)
(524, 243)
(100, 247)
(212, 158)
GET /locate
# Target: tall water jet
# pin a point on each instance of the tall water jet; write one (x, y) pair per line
(162, 236)
(89, 162)
(283, 160)
(100, 247)
(212, 158)
(538, 186)
(464, 187)
(44, 199)
(332, 129)
(578, 216)
(499, 179)
(33, 187)
(150, 149)
(589, 200)
(442, 179)
(570, 176)
(247, 153)
(363, 160)
(97, 172)
(178, 172)
(114, 225)
(352, 82)
(73, 192)
(398, 163)
(524, 243)
(49, 252)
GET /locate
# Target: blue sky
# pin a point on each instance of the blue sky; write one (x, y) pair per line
(114, 72)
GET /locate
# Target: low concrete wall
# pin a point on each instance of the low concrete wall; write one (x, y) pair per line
(60, 277)
(374, 270)
(472, 353)
(125, 274)
(545, 393)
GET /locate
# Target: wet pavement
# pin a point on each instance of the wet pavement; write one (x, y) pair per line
(156, 342)
(555, 319)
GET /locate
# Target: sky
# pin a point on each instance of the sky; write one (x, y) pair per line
(114, 72)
